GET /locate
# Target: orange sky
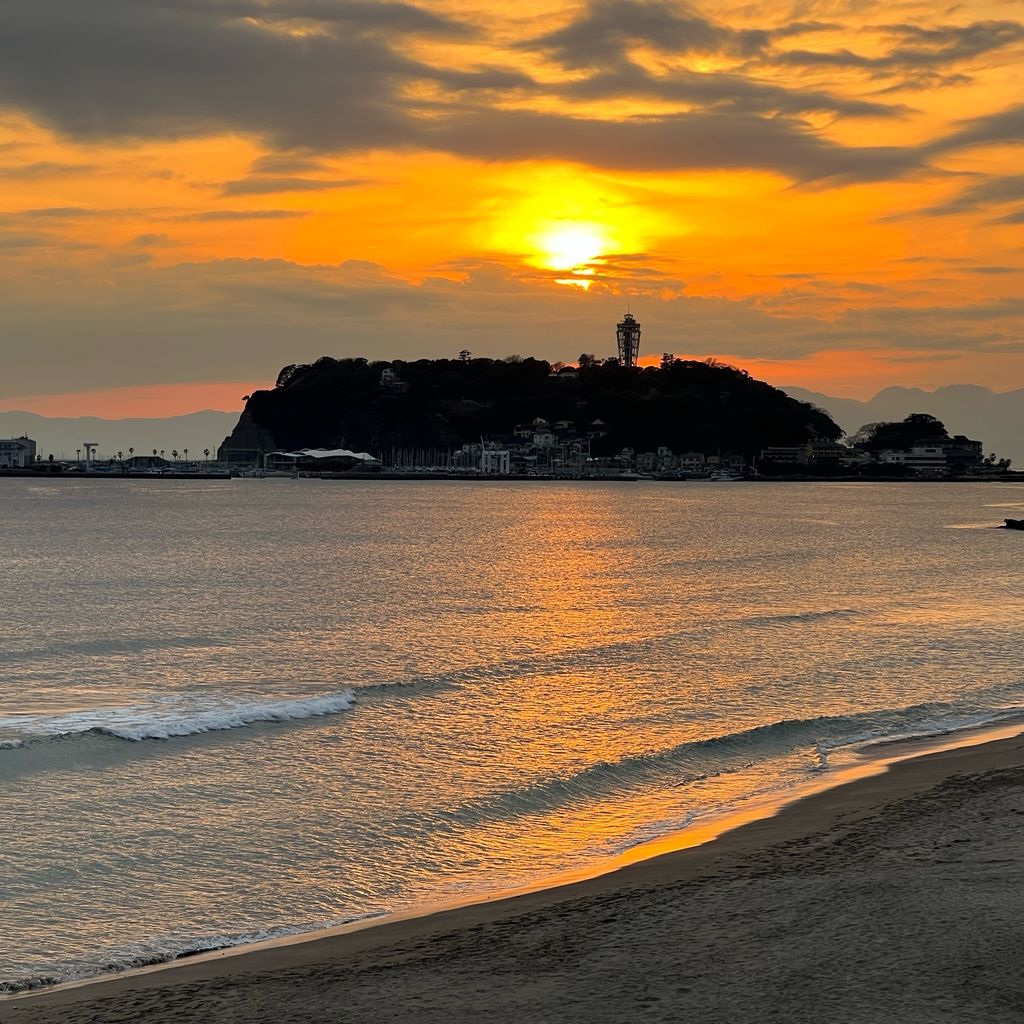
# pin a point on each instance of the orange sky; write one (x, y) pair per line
(826, 192)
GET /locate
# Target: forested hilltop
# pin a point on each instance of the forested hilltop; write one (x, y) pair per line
(684, 405)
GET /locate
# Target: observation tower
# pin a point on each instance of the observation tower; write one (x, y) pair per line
(627, 334)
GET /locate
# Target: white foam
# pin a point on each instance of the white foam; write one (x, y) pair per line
(180, 716)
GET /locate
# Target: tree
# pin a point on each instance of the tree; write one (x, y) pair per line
(667, 359)
(874, 437)
(465, 355)
(587, 360)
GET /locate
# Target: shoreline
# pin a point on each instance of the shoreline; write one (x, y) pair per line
(420, 477)
(907, 769)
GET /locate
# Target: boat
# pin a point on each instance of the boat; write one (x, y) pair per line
(1013, 524)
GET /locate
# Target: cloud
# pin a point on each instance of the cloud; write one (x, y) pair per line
(43, 169)
(736, 91)
(377, 15)
(185, 67)
(13, 240)
(189, 67)
(287, 163)
(705, 140)
(61, 213)
(607, 30)
(1000, 127)
(150, 239)
(919, 47)
(229, 215)
(1017, 217)
(265, 186)
(990, 192)
(206, 319)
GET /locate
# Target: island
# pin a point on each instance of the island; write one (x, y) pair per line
(522, 415)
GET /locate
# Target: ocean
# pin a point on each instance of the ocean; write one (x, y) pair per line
(236, 710)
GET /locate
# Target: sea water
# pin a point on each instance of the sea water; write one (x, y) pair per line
(233, 710)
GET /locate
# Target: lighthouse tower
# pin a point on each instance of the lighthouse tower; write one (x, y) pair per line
(627, 334)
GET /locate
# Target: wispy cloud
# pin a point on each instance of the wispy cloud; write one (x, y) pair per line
(265, 186)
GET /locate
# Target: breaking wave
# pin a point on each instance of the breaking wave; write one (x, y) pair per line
(165, 720)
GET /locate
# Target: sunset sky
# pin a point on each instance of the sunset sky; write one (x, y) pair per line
(197, 192)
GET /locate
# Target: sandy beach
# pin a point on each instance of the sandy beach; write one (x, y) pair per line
(896, 897)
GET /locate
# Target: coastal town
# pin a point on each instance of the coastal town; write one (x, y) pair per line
(573, 446)
(543, 450)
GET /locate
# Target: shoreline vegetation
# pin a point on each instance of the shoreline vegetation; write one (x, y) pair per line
(889, 891)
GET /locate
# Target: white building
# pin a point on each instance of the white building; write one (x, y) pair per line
(17, 453)
(919, 457)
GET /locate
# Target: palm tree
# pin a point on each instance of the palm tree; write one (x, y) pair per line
(78, 454)
(206, 452)
(131, 452)
(154, 453)
(184, 451)
(174, 454)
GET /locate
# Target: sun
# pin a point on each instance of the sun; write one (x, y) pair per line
(570, 244)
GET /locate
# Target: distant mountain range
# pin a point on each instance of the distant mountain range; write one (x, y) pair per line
(61, 437)
(995, 418)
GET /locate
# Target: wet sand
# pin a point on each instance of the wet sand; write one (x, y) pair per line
(895, 898)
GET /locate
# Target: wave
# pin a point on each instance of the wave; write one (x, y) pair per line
(163, 721)
(697, 760)
(192, 713)
(106, 646)
(144, 722)
(627, 650)
(171, 950)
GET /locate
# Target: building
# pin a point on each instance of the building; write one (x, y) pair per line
(331, 460)
(692, 462)
(924, 458)
(790, 454)
(627, 335)
(495, 461)
(17, 453)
